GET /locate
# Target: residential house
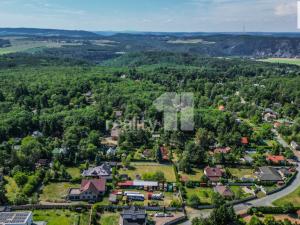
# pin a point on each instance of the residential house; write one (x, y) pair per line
(268, 174)
(224, 191)
(111, 151)
(244, 140)
(37, 134)
(102, 171)
(269, 117)
(284, 173)
(118, 113)
(247, 159)
(295, 146)
(164, 153)
(213, 174)
(224, 150)
(276, 159)
(221, 108)
(90, 190)
(133, 216)
(115, 133)
(16, 218)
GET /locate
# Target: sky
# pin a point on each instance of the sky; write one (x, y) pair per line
(152, 15)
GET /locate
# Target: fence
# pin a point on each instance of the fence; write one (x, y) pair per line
(178, 220)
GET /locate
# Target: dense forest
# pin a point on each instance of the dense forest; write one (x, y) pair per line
(70, 104)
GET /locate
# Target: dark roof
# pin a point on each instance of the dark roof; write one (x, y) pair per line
(134, 216)
(269, 174)
(103, 170)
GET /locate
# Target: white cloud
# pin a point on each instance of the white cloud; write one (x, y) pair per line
(286, 8)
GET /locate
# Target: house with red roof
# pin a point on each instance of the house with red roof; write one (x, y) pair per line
(276, 159)
(213, 174)
(224, 191)
(221, 108)
(245, 140)
(164, 153)
(90, 190)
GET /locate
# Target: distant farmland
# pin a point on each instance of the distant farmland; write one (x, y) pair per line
(282, 60)
(27, 45)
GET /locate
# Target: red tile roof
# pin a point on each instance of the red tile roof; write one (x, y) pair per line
(224, 191)
(165, 153)
(221, 107)
(275, 158)
(95, 185)
(213, 172)
(126, 183)
(244, 140)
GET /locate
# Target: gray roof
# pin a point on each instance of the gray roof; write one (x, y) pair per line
(269, 174)
(15, 217)
(103, 170)
(134, 216)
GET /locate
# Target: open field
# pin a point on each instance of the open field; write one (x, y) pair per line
(194, 176)
(12, 188)
(239, 173)
(109, 219)
(205, 194)
(293, 198)
(60, 217)
(282, 60)
(55, 192)
(27, 45)
(142, 168)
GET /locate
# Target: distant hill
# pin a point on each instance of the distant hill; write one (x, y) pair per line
(45, 32)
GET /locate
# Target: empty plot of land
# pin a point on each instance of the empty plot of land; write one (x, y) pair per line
(143, 168)
(56, 192)
(60, 217)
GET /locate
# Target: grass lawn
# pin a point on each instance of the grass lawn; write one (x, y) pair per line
(204, 194)
(109, 219)
(293, 198)
(236, 190)
(12, 188)
(283, 60)
(239, 173)
(61, 217)
(55, 192)
(194, 176)
(74, 172)
(142, 168)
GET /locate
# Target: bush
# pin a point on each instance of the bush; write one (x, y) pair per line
(193, 201)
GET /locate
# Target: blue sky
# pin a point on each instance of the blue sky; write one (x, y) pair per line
(152, 15)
